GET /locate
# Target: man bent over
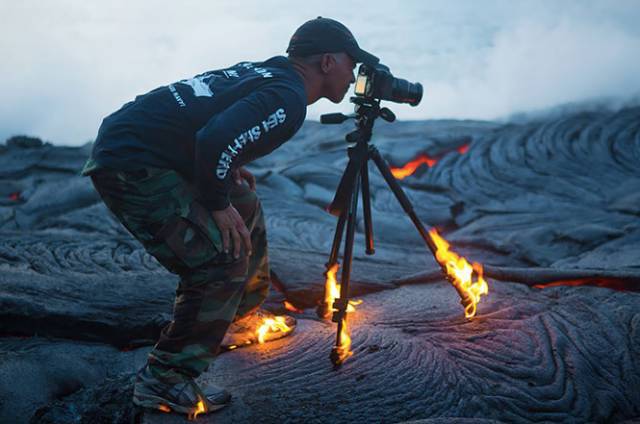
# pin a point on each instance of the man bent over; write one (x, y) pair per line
(169, 166)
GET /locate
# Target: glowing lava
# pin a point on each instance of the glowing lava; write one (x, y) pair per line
(411, 167)
(290, 307)
(461, 274)
(271, 325)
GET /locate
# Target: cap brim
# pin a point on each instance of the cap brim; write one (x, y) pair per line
(361, 56)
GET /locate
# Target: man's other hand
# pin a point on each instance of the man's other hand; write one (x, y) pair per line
(243, 174)
(232, 227)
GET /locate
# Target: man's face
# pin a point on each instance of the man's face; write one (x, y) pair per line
(339, 77)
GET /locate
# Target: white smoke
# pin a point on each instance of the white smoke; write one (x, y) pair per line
(66, 64)
(534, 65)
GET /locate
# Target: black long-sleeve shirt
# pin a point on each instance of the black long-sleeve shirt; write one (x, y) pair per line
(205, 126)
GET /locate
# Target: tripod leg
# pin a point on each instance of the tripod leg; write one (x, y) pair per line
(323, 310)
(341, 304)
(465, 299)
(337, 239)
(340, 207)
(366, 209)
(401, 196)
(348, 252)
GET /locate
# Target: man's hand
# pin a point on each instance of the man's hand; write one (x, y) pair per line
(232, 226)
(243, 174)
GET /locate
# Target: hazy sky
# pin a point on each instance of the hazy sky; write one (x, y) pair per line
(66, 64)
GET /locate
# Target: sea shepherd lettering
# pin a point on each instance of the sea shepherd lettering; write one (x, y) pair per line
(251, 135)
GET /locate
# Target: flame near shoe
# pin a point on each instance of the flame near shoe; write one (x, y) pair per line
(259, 327)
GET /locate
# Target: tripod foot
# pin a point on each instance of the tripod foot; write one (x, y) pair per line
(336, 358)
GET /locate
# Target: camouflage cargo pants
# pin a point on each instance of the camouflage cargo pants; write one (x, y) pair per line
(159, 208)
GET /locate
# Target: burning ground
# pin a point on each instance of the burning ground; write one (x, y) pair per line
(549, 207)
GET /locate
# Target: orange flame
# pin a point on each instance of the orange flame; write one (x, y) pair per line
(164, 408)
(331, 289)
(271, 325)
(331, 293)
(461, 273)
(344, 350)
(200, 408)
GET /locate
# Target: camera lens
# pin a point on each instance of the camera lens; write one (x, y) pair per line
(402, 91)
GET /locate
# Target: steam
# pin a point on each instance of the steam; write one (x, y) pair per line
(535, 66)
(68, 64)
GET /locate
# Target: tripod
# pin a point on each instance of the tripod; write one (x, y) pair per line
(355, 180)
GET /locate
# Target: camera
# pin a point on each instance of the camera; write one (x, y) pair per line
(377, 82)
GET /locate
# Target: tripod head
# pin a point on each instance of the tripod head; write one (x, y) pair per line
(366, 111)
(373, 84)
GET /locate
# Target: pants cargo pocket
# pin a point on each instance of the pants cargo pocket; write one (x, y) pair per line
(193, 237)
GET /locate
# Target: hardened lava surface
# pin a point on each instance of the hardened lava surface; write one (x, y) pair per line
(547, 202)
(560, 354)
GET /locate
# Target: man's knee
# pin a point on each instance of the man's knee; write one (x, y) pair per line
(221, 271)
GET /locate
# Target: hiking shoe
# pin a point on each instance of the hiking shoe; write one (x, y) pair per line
(185, 397)
(260, 327)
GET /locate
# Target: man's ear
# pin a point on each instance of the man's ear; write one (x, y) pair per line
(327, 63)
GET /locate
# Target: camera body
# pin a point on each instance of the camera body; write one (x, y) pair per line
(377, 82)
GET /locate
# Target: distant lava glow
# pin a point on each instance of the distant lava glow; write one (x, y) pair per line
(410, 167)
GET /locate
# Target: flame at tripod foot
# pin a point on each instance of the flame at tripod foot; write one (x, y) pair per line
(461, 274)
(342, 351)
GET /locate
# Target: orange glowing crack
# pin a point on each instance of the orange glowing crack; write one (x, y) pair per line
(411, 167)
(290, 307)
(463, 149)
(608, 282)
(461, 274)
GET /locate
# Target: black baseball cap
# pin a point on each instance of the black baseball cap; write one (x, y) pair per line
(324, 35)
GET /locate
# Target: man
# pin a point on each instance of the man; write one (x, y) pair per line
(169, 167)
